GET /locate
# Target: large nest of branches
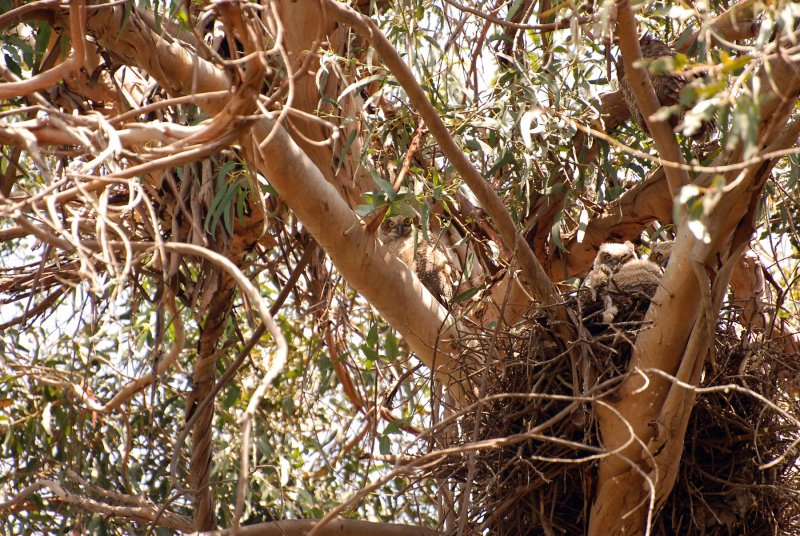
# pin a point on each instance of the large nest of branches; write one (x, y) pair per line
(529, 443)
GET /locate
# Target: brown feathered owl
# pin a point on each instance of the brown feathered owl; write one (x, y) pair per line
(610, 257)
(668, 87)
(617, 270)
(429, 262)
(661, 252)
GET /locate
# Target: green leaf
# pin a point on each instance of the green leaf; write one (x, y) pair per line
(232, 394)
(392, 428)
(372, 336)
(387, 188)
(364, 210)
(467, 294)
(369, 353)
(12, 65)
(264, 447)
(324, 363)
(343, 155)
(42, 39)
(391, 347)
(358, 84)
(384, 445)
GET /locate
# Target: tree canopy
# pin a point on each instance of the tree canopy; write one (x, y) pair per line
(203, 327)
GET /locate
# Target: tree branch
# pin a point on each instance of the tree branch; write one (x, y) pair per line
(683, 316)
(338, 527)
(532, 271)
(639, 80)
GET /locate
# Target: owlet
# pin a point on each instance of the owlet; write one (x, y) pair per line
(618, 269)
(429, 262)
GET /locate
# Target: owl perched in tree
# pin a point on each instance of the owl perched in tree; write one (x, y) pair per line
(668, 87)
(618, 270)
(429, 262)
(610, 256)
(661, 252)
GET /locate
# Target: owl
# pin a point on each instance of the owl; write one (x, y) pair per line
(610, 256)
(429, 262)
(668, 87)
(618, 270)
(661, 252)
(637, 275)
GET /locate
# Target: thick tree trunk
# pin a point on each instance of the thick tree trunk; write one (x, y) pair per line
(643, 431)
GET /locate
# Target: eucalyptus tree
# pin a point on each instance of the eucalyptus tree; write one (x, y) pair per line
(201, 329)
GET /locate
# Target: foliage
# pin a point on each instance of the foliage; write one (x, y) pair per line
(93, 298)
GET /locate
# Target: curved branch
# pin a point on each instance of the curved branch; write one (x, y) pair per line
(77, 32)
(565, 22)
(142, 512)
(388, 284)
(384, 280)
(683, 313)
(166, 363)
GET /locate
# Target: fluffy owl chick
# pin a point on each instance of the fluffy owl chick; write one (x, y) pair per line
(617, 267)
(610, 257)
(661, 252)
(668, 86)
(431, 264)
(637, 275)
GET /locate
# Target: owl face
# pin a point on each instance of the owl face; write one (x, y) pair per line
(611, 256)
(397, 227)
(661, 252)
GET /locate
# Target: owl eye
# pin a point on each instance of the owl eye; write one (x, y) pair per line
(408, 221)
(391, 224)
(604, 257)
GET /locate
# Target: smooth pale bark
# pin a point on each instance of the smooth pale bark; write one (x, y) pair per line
(683, 313)
(735, 24)
(388, 284)
(385, 281)
(531, 269)
(646, 99)
(305, 25)
(747, 283)
(624, 219)
(621, 487)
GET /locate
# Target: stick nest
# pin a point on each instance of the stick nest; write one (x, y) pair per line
(528, 446)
